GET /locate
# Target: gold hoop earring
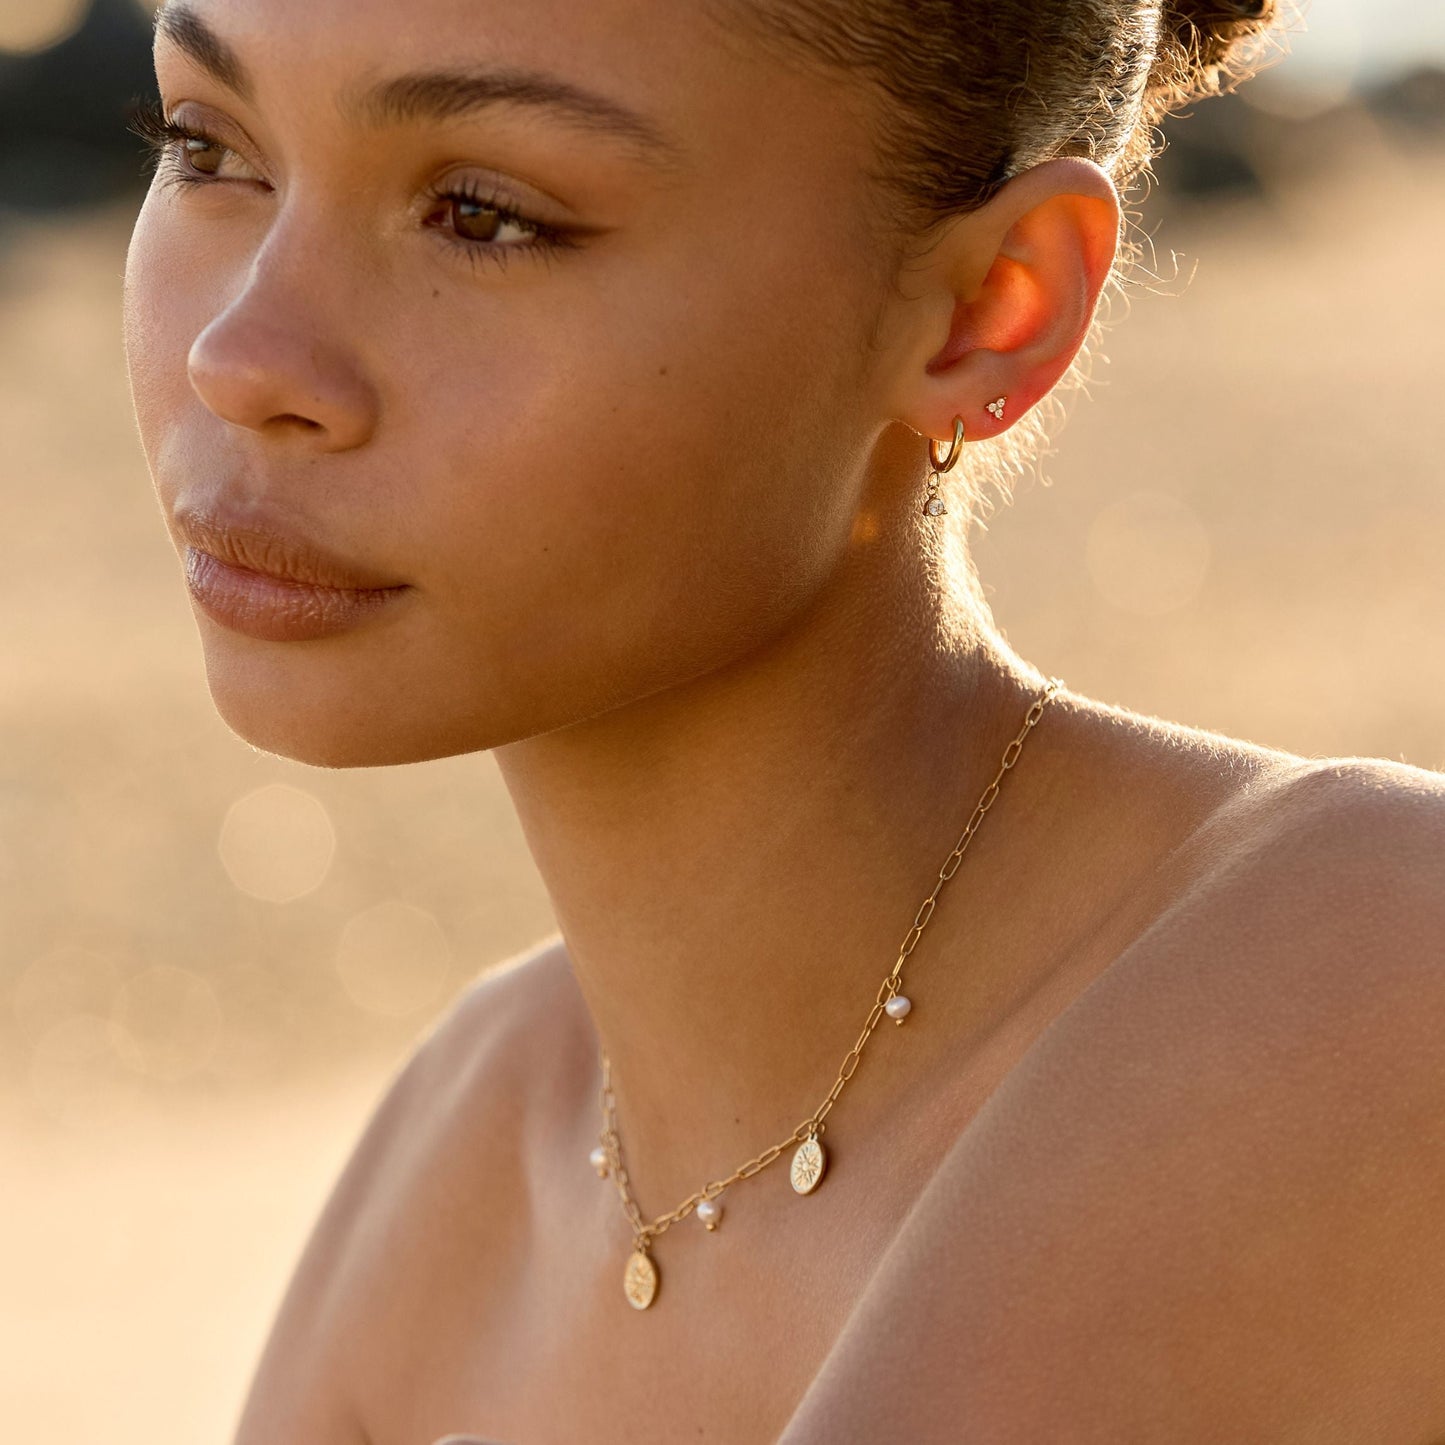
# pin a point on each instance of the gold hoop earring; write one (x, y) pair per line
(939, 467)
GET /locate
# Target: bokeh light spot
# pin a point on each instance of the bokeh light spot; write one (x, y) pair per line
(68, 980)
(39, 24)
(1299, 97)
(393, 959)
(1148, 554)
(76, 1079)
(168, 1022)
(277, 843)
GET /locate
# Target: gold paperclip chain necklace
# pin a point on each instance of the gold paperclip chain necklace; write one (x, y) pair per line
(640, 1281)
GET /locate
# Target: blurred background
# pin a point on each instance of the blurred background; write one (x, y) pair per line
(212, 961)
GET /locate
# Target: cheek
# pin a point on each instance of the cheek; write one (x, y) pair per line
(608, 514)
(161, 316)
(141, 325)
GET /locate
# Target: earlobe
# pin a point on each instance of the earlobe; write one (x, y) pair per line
(1022, 279)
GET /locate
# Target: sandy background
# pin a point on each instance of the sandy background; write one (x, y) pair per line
(211, 961)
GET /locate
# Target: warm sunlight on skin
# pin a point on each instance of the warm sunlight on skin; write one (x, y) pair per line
(618, 439)
(554, 378)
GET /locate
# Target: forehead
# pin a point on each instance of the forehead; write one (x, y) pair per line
(355, 28)
(445, 92)
(670, 65)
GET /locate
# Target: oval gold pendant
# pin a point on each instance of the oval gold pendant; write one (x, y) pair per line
(808, 1165)
(640, 1281)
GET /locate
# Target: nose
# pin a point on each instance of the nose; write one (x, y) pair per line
(271, 363)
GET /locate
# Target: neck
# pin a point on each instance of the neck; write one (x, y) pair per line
(735, 863)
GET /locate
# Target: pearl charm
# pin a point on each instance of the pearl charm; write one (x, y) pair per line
(898, 1008)
(599, 1161)
(709, 1211)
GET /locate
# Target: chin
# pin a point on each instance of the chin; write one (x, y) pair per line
(321, 741)
(331, 718)
(385, 697)
(344, 709)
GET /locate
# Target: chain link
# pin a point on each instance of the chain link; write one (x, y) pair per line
(645, 1231)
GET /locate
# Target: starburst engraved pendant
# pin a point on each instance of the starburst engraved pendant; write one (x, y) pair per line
(808, 1165)
(640, 1282)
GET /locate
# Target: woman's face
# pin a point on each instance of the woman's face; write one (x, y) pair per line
(555, 317)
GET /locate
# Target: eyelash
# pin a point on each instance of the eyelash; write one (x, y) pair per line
(165, 139)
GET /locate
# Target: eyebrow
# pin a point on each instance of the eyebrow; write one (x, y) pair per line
(188, 32)
(430, 95)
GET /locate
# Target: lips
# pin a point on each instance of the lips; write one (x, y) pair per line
(252, 576)
(256, 542)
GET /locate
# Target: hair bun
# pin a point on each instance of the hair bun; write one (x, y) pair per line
(1206, 46)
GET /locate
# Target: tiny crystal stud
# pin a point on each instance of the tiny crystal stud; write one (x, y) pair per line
(599, 1161)
(898, 1008)
(996, 407)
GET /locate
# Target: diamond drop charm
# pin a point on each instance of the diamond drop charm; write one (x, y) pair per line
(934, 508)
(898, 1008)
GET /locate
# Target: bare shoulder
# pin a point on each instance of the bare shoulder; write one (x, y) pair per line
(1329, 871)
(449, 1114)
(1369, 826)
(1206, 1206)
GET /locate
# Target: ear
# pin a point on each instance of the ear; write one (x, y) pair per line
(1002, 302)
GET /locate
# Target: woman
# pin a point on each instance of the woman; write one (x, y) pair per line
(608, 385)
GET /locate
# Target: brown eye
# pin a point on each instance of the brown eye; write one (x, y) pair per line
(204, 155)
(488, 224)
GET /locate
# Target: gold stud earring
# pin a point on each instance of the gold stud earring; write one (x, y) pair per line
(939, 467)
